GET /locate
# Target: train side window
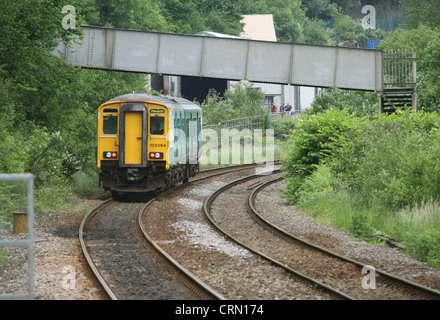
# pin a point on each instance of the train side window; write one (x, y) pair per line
(157, 125)
(110, 124)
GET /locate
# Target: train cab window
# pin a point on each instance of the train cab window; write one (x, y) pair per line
(157, 125)
(110, 124)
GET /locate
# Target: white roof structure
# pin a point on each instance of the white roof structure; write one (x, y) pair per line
(258, 27)
(217, 35)
(261, 27)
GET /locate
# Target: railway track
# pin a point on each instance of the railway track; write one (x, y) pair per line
(127, 266)
(197, 281)
(179, 226)
(332, 272)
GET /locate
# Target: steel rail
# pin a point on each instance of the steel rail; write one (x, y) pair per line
(109, 292)
(206, 209)
(234, 166)
(265, 223)
(86, 254)
(182, 270)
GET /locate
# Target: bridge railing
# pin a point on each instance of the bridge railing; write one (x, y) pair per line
(399, 69)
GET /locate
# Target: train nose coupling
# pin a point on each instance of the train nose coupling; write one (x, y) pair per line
(133, 174)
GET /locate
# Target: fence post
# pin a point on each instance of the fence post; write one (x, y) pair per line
(29, 242)
(219, 130)
(19, 223)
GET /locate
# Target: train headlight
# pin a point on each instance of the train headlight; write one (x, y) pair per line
(110, 155)
(156, 155)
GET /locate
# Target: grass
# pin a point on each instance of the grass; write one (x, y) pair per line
(48, 198)
(370, 175)
(3, 257)
(324, 204)
(12, 199)
(418, 228)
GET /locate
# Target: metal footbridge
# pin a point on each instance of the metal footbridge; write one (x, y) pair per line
(229, 58)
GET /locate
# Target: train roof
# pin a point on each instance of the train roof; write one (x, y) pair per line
(171, 102)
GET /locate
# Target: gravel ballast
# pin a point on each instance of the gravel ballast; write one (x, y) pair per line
(178, 224)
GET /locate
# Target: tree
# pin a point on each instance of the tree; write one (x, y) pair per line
(416, 39)
(288, 20)
(132, 14)
(429, 88)
(315, 32)
(215, 111)
(241, 101)
(48, 107)
(347, 29)
(355, 102)
(317, 8)
(421, 11)
(246, 99)
(425, 42)
(31, 31)
(193, 16)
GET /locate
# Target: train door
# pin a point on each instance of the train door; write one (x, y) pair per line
(133, 137)
(199, 128)
(180, 138)
(176, 136)
(193, 137)
(188, 137)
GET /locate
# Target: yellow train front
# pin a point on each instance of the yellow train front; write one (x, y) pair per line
(147, 143)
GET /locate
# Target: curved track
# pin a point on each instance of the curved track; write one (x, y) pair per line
(338, 274)
(117, 257)
(125, 266)
(410, 285)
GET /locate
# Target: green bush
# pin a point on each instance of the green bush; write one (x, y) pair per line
(243, 100)
(314, 140)
(355, 102)
(322, 197)
(360, 226)
(12, 199)
(85, 183)
(51, 198)
(426, 246)
(215, 111)
(393, 161)
(380, 175)
(283, 127)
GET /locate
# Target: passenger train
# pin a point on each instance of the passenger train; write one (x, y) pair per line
(147, 142)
